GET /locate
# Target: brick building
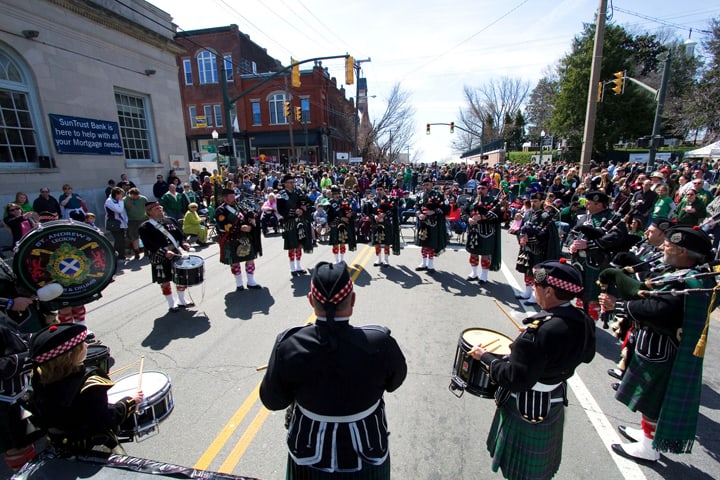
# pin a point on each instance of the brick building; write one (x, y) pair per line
(260, 130)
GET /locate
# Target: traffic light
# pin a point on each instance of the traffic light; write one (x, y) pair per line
(600, 92)
(298, 114)
(427, 129)
(619, 83)
(349, 70)
(452, 127)
(225, 150)
(286, 108)
(295, 73)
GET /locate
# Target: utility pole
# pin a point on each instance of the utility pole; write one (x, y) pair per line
(590, 113)
(655, 136)
(358, 66)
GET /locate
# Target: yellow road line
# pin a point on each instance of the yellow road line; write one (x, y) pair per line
(241, 446)
(247, 437)
(228, 430)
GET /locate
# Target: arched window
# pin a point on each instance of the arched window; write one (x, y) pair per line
(207, 67)
(276, 104)
(21, 144)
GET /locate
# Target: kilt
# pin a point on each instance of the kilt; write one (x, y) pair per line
(161, 272)
(643, 385)
(229, 250)
(296, 234)
(342, 234)
(524, 450)
(369, 472)
(481, 245)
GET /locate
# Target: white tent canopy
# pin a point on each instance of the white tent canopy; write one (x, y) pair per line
(712, 150)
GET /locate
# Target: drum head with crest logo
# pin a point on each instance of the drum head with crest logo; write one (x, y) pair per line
(70, 253)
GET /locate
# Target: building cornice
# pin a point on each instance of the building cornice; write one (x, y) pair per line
(111, 20)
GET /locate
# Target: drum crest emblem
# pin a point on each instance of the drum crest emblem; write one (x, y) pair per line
(68, 265)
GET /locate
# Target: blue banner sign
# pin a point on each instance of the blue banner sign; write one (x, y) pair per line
(85, 136)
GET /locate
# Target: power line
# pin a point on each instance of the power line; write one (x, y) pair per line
(658, 20)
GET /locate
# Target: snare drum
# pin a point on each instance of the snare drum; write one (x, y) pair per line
(468, 374)
(188, 271)
(98, 356)
(156, 405)
(15, 388)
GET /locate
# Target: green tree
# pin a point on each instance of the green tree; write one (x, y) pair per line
(700, 108)
(626, 116)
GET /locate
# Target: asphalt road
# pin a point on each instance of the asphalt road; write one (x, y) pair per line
(211, 354)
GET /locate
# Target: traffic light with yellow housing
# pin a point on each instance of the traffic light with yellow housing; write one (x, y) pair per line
(298, 114)
(452, 127)
(286, 109)
(427, 129)
(349, 70)
(618, 82)
(295, 73)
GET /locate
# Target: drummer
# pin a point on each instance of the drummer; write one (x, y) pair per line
(542, 358)
(164, 240)
(68, 400)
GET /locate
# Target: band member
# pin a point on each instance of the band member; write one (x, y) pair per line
(164, 240)
(641, 261)
(15, 365)
(333, 376)
(607, 234)
(664, 378)
(539, 242)
(68, 400)
(525, 439)
(385, 230)
(341, 219)
(296, 210)
(483, 216)
(431, 234)
(240, 240)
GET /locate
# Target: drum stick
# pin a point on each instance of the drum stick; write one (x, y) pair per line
(520, 329)
(142, 363)
(122, 369)
(261, 368)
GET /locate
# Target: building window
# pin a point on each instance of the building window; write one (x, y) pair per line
(256, 116)
(305, 106)
(208, 112)
(228, 67)
(276, 104)
(192, 111)
(136, 127)
(207, 67)
(20, 144)
(187, 69)
(218, 116)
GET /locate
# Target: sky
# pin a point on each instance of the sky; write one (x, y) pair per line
(433, 48)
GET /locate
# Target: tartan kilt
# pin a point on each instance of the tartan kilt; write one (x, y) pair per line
(162, 272)
(524, 450)
(643, 385)
(590, 278)
(369, 472)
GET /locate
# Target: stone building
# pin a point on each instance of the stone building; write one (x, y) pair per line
(88, 90)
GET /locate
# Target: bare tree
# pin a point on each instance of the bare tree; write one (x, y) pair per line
(486, 109)
(392, 133)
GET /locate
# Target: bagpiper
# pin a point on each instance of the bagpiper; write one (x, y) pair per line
(341, 219)
(483, 215)
(385, 230)
(431, 233)
(296, 210)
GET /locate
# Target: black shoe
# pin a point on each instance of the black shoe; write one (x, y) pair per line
(301, 272)
(377, 264)
(254, 287)
(239, 289)
(615, 386)
(530, 304)
(420, 269)
(616, 373)
(173, 310)
(521, 297)
(89, 337)
(294, 274)
(430, 271)
(472, 279)
(481, 281)
(186, 306)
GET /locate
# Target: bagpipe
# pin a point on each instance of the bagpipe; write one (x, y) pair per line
(341, 225)
(596, 256)
(630, 288)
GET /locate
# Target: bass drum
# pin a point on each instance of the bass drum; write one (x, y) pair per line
(70, 253)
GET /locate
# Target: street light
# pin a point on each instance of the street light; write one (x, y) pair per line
(215, 135)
